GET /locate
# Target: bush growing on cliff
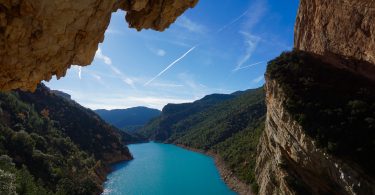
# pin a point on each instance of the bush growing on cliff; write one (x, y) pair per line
(334, 106)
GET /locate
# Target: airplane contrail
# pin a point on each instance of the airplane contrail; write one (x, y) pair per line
(80, 72)
(248, 66)
(170, 65)
(233, 21)
(191, 49)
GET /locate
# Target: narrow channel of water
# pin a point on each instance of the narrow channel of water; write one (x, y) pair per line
(163, 169)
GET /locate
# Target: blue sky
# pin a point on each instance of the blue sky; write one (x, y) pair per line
(220, 46)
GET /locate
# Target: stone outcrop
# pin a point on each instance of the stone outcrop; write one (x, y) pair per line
(42, 38)
(339, 30)
(289, 162)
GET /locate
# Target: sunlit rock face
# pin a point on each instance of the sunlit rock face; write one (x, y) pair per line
(339, 30)
(42, 38)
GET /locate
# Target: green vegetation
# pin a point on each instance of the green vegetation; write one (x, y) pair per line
(239, 151)
(50, 145)
(161, 128)
(335, 107)
(229, 125)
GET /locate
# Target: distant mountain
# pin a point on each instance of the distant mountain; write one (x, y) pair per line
(129, 119)
(228, 125)
(50, 144)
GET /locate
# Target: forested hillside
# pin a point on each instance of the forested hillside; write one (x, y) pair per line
(161, 127)
(228, 125)
(50, 144)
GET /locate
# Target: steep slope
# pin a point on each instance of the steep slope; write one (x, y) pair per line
(211, 126)
(56, 145)
(229, 129)
(129, 119)
(42, 38)
(160, 128)
(319, 135)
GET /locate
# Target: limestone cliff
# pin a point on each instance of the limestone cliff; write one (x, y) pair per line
(289, 161)
(42, 38)
(339, 30)
(313, 143)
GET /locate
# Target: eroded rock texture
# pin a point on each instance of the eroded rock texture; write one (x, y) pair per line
(42, 38)
(289, 162)
(338, 30)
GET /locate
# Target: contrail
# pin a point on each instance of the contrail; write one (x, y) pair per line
(248, 66)
(170, 65)
(80, 72)
(191, 49)
(233, 21)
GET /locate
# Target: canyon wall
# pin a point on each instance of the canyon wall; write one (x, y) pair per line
(342, 34)
(339, 30)
(42, 38)
(289, 161)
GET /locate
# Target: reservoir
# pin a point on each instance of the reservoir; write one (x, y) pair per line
(164, 169)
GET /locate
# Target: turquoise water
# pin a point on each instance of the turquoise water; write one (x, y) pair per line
(163, 169)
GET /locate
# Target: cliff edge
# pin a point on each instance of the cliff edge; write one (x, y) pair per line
(43, 38)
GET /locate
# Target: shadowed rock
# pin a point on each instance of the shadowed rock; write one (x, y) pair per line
(42, 38)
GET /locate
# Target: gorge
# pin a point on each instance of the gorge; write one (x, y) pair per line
(309, 130)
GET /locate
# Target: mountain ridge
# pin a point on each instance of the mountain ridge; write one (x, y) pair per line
(129, 119)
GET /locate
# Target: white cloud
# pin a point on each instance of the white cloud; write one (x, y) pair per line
(191, 26)
(251, 43)
(161, 52)
(253, 16)
(256, 11)
(97, 77)
(194, 88)
(127, 102)
(158, 52)
(258, 79)
(128, 81)
(113, 31)
(99, 55)
(166, 85)
(108, 61)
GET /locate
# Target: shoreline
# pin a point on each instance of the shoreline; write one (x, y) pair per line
(107, 168)
(226, 175)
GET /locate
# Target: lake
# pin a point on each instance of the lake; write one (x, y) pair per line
(164, 169)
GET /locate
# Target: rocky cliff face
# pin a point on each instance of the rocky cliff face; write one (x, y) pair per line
(341, 33)
(289, 161)
(339, 30)
(42, 38)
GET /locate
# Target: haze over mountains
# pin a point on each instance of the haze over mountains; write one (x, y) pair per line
(129, 119)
